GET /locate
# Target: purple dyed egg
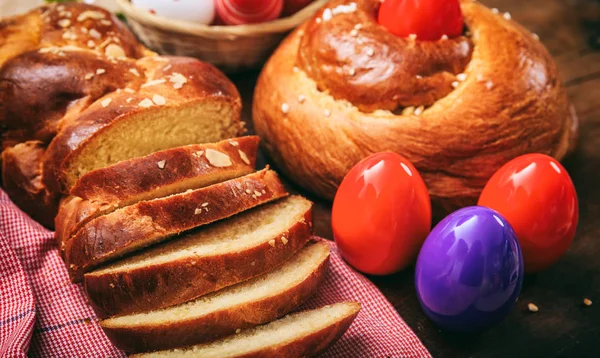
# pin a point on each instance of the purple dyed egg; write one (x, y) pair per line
(469, 271)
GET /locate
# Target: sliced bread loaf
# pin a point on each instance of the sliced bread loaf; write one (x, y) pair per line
(301, 334)
(140, 225)
(202, 261)
(154, 176)
(182, 101)
(222, 313)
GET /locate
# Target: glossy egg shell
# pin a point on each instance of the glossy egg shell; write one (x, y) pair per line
(469, 271)
(381, 214)
(536, 195)
(202, 12)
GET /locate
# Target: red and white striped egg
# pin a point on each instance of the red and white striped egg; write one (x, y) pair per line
(239, 12)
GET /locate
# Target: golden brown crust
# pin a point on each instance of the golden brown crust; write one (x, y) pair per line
(204, 83)
(22, 181)
(43, 64)
(372, 68)
(151, 287)
(139, 176)
(309, 345)
(142, 224)
(510, 103)
(194, 330)
(105, 190)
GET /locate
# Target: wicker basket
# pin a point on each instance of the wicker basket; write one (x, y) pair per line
(231, 48)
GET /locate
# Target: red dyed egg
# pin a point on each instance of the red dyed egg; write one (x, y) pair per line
(239, 12)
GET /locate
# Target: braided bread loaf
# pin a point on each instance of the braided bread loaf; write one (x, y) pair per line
(78, 93)
(342, 87)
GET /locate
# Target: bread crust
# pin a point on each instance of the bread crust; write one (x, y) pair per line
(137, 176)
(145, 223)
(511, 103)
(104, 190)
(194, 330)
(307, 346)
(207, 85)
(151, 287)
(22, 181)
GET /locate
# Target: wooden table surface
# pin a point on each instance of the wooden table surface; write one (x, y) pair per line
(563, 327)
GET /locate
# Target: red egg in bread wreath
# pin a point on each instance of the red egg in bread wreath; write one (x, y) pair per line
(239, 12)
(381, 214)
(426, 19)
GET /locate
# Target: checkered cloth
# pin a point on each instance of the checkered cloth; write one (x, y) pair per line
(43, 314)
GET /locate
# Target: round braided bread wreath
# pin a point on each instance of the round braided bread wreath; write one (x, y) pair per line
(341, 87)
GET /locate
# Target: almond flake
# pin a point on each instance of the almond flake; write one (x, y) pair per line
(178, 80)
(167, 67)
(115, 51)
(272, 243)
(217, 158)
(285, 108)
(354, 33)
(145, 103)
(495, 11)
(96, 15)
(489, 84)
(68, 35)
(244, 157)
(284, 240)
(257, 193)
(237, 331)
(129, 100)
(129, 90)
(444, 37)
(419, 110)
(106, 102)
(532, 307)
(412, 37)
(95, 34)
(234, 143)
(301, 98)
(507, 15)
(370, 52)
(91, 43)
(461, 77)
(455, 84)
(248, 191)
(89, 76)
(153, 83)
(159, 100)
(161, 164)
(135, 72)
(198, 154)
(106, 22)
(112, 285)
(100, 71)
(198, 211)
(64, 23)
(535, 37)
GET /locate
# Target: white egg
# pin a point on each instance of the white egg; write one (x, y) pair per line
(199, 11)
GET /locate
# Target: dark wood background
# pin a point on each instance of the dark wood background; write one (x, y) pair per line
(564, 326)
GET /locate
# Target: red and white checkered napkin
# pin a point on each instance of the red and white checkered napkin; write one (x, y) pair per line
(43, 314)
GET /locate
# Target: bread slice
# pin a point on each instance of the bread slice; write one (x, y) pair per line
(301, 334)
(202, 261)
(137, 226)
(22, 180)
(219, 314)
(183, 101)
(153, 176)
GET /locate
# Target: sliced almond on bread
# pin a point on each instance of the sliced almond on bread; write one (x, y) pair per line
(247, 304)
(301, 334)
(157, 175)
(203, 261)
(140, 225)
